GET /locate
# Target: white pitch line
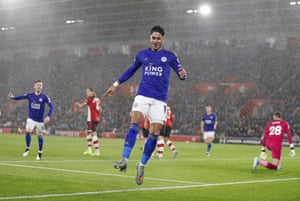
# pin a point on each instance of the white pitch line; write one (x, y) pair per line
(60, 161)
(145, 189)
(109, 161)
(95, 173)
(204, 158)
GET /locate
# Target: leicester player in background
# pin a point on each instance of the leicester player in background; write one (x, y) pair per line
(272, 139)
(150, 101)
(208, 126)
(36, 119)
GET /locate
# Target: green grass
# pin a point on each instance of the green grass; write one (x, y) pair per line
(64, 173)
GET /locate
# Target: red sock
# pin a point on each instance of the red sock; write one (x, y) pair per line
(268, 165)
(271, 166)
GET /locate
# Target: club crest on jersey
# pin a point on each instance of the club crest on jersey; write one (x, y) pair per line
(40, 100)
(163, 59)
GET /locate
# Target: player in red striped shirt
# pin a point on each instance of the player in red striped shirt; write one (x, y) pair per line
(165, 136)
(272, 139)
(93, 118)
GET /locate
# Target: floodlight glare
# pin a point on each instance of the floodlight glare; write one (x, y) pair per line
(205, 10)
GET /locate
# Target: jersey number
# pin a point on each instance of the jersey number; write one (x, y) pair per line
(275, 130)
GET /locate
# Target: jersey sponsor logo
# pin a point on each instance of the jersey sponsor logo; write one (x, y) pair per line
(152, 70)
(35, 106)
(208, 121)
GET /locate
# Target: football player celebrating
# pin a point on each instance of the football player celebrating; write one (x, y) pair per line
(150, 100)
(36, 119)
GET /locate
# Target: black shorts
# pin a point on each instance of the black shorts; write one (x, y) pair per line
(165, 131)
(92, 126)
(145, 132)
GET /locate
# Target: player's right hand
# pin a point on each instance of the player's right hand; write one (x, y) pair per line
(182, 73)
(109, 92)
(263, 155)
(46, 119)
(10, 95)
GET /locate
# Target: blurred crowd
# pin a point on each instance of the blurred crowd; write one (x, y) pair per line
(276, 74)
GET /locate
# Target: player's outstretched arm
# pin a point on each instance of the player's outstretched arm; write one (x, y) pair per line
(110, 91)
(13, 97)
(80, 104)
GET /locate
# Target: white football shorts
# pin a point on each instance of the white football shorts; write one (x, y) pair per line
(38, 126)
(154, 109)
(208, 134)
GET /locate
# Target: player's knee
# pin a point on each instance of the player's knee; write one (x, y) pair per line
(208, 140)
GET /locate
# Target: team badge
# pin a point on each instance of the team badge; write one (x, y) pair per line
(163, 59)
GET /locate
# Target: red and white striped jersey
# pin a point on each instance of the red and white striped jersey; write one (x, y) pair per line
(170, 117)
(94, 108)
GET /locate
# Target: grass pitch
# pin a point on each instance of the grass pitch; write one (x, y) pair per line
(64, 173)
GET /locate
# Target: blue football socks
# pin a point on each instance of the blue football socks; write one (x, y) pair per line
(149, 148)
(41, 143)
(28, 140)
(208, 147)
(130, 139)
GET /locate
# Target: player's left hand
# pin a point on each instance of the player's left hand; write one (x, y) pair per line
(263, 155)
(292, 152)
(46, 119)
(182, 73)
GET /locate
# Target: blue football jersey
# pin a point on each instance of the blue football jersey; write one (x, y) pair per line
(209, 121)
(156, 72)
(36, 105)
